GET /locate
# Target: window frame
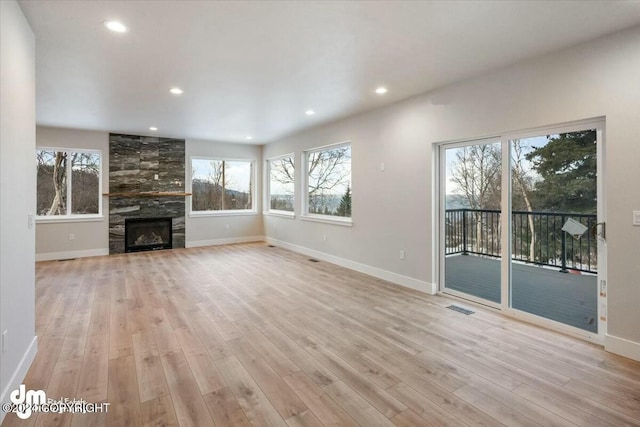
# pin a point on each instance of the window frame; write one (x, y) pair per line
(226, 212)
(329, 219)
(71, 217)
(267, 185)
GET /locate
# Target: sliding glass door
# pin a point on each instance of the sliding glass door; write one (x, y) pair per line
(472, 220)
(520, 225)
(554, 256)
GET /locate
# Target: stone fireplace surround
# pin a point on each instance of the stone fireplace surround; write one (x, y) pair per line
(141, 168)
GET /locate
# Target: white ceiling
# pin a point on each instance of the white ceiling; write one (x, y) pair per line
(254, 68)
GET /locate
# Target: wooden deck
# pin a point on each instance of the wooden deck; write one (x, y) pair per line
(564, 297)
(248, 335)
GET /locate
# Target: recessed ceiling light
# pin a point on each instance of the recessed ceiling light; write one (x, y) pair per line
(248, 137)
(309, 112)
(153, 128)
(116, 26)
(176, 91)
(381, 90)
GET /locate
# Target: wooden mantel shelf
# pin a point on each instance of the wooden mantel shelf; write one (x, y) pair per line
(148, 194)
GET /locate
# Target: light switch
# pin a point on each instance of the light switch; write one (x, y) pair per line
(636, 217)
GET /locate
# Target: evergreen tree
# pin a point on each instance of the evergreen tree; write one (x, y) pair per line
(567, 168)
(344, 209)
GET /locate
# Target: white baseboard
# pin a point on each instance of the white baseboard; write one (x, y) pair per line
(18, 375)
(225, 241)
(399, 279)
(50, 256)
(622, 347)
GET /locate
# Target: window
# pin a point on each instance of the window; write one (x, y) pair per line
(329, 181)
(281, 187)
(221, 185)
(68, 183)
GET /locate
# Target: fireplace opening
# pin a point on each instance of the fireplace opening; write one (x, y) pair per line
(147, 234)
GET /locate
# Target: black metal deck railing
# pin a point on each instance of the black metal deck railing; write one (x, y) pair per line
(537, 237)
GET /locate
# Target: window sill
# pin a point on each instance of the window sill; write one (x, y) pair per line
(281, 214)
(60, 219)
(345, 222)
(207, 214)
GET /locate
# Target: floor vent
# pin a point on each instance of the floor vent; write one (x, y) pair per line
(460, 310)
(271, 246)
(313, 260)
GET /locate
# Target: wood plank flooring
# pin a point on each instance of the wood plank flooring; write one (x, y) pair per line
(250, 335)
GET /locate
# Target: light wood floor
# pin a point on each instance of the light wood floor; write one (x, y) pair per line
(252, 335)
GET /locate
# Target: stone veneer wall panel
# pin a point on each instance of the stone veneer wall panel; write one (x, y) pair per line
(133, 163)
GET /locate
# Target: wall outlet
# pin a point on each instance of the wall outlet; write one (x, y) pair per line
(156, 177)
(4, 341)
(324, 237)
(29, 221)
(382, 167)
(72, 236)
(636, 217)
(401, 254)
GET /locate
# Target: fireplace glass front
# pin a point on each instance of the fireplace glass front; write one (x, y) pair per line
(147, 234)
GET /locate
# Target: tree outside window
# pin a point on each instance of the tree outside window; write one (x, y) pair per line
(281, 184)
(550, 174)
(221, 185)
(329, 181)
(68, 182)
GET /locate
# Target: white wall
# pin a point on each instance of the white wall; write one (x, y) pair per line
(17, 197)
(91, 238)
(212, 230)
(393, 210)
